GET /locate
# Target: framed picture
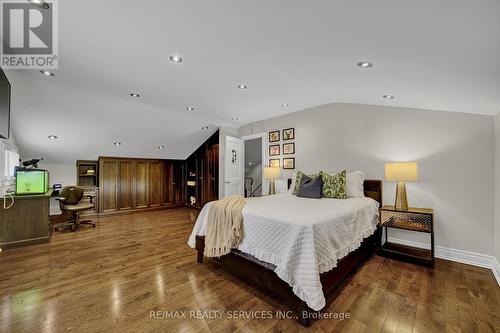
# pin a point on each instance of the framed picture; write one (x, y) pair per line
(289, 163)
(274, 163)
(289, 148)
(288, 134)
(274, 150)
(274, 136)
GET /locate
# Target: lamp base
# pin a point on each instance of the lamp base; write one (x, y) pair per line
(401, 199)
(272, 187)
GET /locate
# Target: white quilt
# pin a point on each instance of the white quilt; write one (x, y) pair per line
(302, 237)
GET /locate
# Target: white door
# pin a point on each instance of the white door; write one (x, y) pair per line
(233, 166)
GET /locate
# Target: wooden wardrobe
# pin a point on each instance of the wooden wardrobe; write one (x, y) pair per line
(127, 184)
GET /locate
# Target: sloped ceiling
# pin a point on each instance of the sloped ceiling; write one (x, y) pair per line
(439, 55)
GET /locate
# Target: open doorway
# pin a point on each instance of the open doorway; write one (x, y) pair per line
(254, 165)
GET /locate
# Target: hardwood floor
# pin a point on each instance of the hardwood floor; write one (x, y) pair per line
(111, 279)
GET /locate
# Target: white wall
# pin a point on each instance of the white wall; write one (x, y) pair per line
(454, 152)
(497, 189)
(64, 174)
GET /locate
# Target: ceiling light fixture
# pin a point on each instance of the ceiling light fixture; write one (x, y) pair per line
(204, 127)
(235, 118)
(52, 137)
(190, 108)
(161, 147)
(242, 86)
(117, 143)
(365, 64)
(175, 58)
(388, 97)
(40, 3)
(135, 95)
(47, 73)
(284, 105)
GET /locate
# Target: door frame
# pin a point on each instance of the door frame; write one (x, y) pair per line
(264, 155)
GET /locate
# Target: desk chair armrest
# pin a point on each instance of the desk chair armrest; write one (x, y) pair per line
(61, 201)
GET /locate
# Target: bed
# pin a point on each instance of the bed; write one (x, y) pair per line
(299, 250)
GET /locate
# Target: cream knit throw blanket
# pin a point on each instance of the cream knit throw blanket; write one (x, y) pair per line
(224, 226)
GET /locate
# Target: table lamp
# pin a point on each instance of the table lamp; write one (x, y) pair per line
(401, 172)
(272, 173)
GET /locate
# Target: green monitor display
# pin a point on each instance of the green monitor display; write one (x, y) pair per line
(32, 182)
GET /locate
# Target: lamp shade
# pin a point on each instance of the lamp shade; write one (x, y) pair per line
(272, 173)
(401, 172)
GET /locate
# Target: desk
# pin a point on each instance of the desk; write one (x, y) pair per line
(26, 222)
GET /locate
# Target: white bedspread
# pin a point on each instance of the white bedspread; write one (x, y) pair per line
(301, 237)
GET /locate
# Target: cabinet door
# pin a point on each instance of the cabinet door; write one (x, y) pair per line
(211, 184)
(126, 185)
(141, 184)
(166, 183)
(108, 185)
(178, 182)
(154, 188)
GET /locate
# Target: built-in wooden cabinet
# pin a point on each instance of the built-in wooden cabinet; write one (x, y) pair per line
(202, 174)
(128, 184)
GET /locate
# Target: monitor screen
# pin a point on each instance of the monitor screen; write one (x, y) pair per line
(4, 105)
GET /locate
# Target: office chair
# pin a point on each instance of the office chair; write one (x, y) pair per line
(70, 200)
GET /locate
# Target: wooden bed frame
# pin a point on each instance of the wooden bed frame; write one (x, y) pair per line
(261, 274)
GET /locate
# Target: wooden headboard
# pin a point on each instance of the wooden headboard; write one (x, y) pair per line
(373, 189)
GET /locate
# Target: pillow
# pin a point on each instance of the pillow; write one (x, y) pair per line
(310, 187)
(298, 176)
(354, 184)
(334, 185)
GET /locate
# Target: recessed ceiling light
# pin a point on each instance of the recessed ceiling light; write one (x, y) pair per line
(47, 73)
(161, 147)
(190, 108)
(284, 105)
(242, 86)
(40, 3)
(204, 128)
(135, 95)
(365, 64)
(235, 118)
(175, 58)
(117, 143)
(388, 97)
(52, 137)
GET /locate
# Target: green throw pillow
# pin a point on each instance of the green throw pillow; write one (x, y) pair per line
(299, 175)
(334, 185)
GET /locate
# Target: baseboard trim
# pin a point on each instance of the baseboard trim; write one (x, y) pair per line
(464, 257)
(496, 270)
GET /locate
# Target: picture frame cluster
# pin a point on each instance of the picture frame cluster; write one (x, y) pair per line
(285, 148)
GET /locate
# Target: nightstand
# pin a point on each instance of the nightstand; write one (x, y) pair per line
(413, 219)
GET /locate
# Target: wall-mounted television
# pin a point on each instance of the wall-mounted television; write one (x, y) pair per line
(4, 106)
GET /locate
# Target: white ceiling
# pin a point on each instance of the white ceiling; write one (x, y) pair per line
(441, 55)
